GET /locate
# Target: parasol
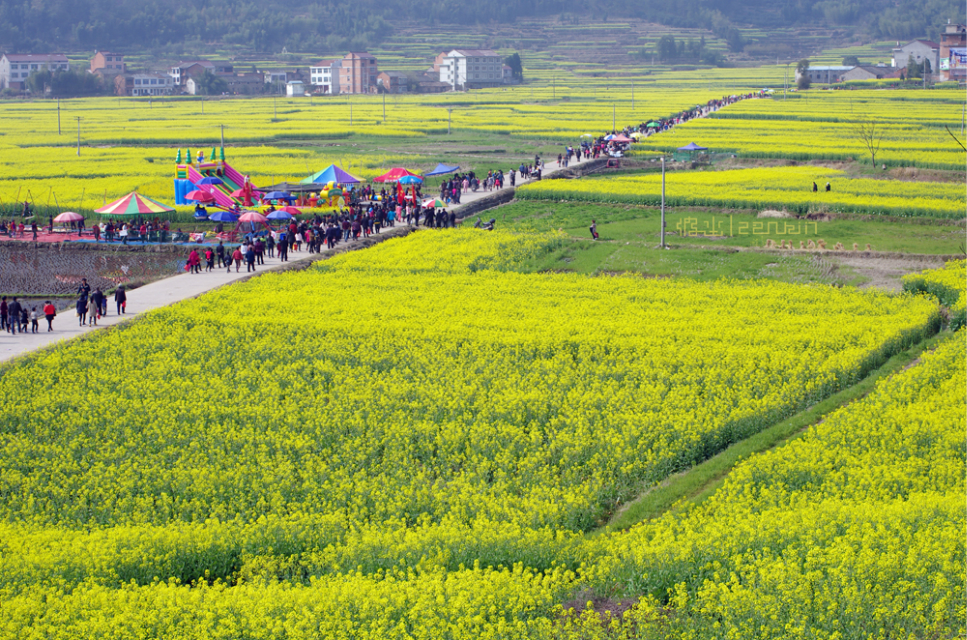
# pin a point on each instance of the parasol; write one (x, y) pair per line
(223, 216)
(199, 196)
(69, 216)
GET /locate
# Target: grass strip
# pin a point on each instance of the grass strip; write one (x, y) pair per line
(691, 487)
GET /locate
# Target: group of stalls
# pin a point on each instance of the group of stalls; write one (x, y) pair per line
(332, 187)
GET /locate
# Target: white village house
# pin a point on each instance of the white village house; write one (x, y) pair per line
(15, 68)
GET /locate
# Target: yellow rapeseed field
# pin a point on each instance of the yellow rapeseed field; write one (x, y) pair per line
(412, 441)
(787, 188)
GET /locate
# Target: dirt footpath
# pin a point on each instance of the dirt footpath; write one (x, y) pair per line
(885, 273)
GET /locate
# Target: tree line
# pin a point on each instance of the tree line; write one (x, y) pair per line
(270, 25)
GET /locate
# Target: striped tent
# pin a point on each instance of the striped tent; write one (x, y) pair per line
(134, 204)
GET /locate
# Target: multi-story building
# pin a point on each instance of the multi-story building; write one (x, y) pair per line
(324, 76)
(184, 70)
(143, 84)
(15, 68)
(246, 83)
(358, 72)
(106, 63)
(472, 69)
(392, 81)
(919, 51)
(953, 53)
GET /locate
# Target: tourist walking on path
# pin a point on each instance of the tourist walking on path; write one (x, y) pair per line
(84, 289)
(237, 259)
(50, 311)
(194, 261)
(82, 311)
(33, 320)
(249, 258)
(220, 252)
(594, 230)
(209, 259)
(13, 316)
(121, 298)
(97, 299)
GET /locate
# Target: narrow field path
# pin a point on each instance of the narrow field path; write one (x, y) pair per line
(182, 286)
(692, 486)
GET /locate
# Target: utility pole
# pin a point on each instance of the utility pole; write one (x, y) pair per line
(785, 81)
(58, 116)
(78, 135)
(384, 108)
(223, 136)
(350, 113)
(275, 110)
(663, 203)
(554, 89)
(203, 106)
(612, 117)
(632, 97)
(449, 118)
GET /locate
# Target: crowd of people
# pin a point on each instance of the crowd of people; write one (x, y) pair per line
(91, 306)
(352, 223)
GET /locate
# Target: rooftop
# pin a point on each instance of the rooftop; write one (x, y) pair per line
(477, 53)
(36, 57)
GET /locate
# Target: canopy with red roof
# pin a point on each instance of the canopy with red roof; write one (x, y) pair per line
(395, 174)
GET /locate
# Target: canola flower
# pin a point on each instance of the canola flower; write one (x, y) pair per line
(821, 125)
(948, 284)
(405, 442)
(788, 188)
(854, 530)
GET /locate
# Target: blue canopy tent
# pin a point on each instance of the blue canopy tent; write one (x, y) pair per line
(689, 151)
(332, 173)
(440, 170)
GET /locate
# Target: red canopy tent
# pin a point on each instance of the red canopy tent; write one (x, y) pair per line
(395, 174)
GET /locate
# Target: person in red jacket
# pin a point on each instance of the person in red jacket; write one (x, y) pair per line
(49, 312)
(194, 261)
(237, 258)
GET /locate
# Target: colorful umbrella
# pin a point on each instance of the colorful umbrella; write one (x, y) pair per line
(199, 196)
(436, 203)
(134, 204)
(69, 216)
(332, 173)
(277, 195)
(210, 180)
(410, 180)
(279, 214)
(251, 216)
(394, 175)
(290, 210)
(223, 216)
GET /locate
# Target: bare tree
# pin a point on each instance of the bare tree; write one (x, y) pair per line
(869, 132)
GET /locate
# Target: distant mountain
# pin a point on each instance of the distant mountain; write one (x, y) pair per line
(268, 25)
